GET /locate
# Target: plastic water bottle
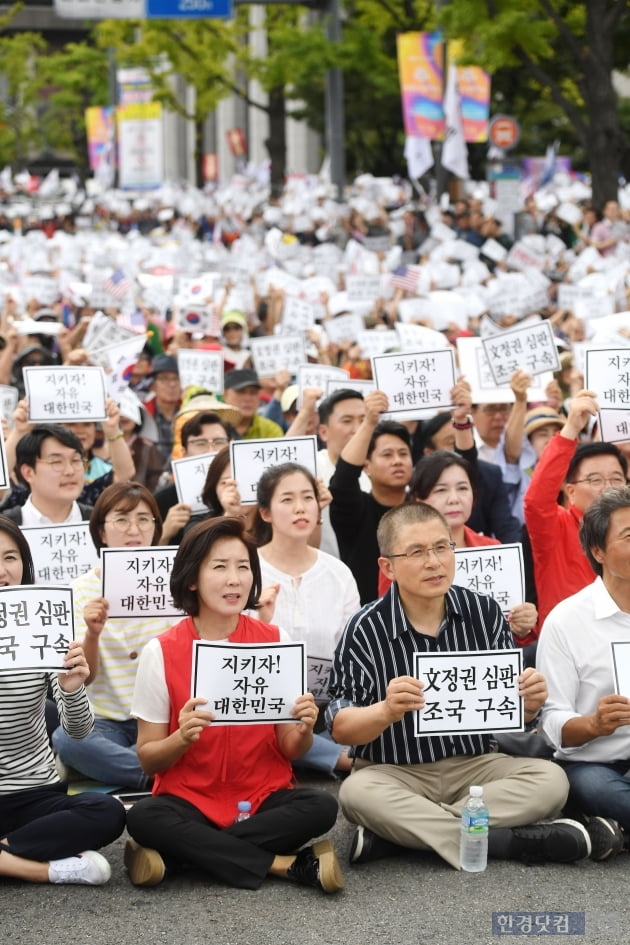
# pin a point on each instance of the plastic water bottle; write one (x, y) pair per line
(473, 850)
(244, 811)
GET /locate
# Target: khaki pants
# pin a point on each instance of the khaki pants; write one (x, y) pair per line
(419, 806)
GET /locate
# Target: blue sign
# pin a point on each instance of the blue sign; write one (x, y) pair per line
(188, 9)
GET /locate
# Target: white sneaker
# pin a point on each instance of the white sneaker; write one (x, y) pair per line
(89, 869)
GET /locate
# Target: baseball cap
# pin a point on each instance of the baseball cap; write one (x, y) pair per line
(233, 317)
(239, 378)
(162, 364)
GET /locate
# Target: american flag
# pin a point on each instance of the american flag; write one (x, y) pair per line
(406, 277)
(117, 284)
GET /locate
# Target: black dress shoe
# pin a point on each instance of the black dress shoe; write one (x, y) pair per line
(367, 845)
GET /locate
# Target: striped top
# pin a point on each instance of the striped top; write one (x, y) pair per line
(378, 645)
(120, 644)
(26, 759)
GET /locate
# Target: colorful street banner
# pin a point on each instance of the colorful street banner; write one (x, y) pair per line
(474, 99)
(140, 147)
(100, 126)
(421, 71)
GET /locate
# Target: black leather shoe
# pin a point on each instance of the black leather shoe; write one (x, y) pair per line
(367, 845)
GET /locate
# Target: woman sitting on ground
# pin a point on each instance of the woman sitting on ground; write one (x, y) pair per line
(42, 829)
(202, 771)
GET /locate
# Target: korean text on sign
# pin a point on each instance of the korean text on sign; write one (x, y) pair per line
(281, 353)
(470, 692)
(531, 348)
(249, 683)
(136, 581)
(65, 394)
(318, 672)
(36, 628)
(420, 380)
(250, 458)
(61, 553)
(497, 571)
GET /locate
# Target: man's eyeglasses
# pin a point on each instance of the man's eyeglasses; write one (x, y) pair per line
(203, 443)
(598, 482)
(441, 550)
(58, 464)
(123, 523)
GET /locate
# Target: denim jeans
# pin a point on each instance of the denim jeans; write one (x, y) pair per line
(107, 754)
(323, 754)
(600, 789)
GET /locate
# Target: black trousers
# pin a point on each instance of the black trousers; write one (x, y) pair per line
(45, 823)
(241, 854)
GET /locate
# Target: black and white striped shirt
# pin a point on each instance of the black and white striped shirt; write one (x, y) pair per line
(26, 759)
(378, 645)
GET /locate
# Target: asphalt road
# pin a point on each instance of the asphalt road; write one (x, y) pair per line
(409, 900)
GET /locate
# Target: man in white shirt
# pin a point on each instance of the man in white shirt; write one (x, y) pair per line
(340, 416)
(49, 460)
(584, 640)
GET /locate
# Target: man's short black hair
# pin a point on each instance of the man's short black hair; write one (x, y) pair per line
(391, 427)
(29, 447)
(329, 403)
(587, 451)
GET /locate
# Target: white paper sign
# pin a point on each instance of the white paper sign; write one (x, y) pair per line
(495, 570)
(190, 478)
(621, 666)
(297, 315)
(416, 381)
(136, 581)
(473, 365)
(344, 327)
(8, 402)
(247, 683)
(374, 342)
(315, 377)
(419, 338)
(468, 693)
(65, 394)
(363, 387)
(363, 289)
(61, 553)
(280, 353)
(5, 479)
(318, 672)
(531, 348)
(36, 628)
(608, 374)
(250, 458)
(199, 368)
(614, 425)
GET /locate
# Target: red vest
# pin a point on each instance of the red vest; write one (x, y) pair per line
(229, 763)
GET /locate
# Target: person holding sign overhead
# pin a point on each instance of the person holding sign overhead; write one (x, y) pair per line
(317, 592)
(125, 516)
(46, 836)
(202, 770)
(408, 789)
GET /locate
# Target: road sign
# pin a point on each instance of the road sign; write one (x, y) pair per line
(143, 9)
(504, 132)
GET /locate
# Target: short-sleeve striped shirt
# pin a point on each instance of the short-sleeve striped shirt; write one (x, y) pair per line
(379, 644)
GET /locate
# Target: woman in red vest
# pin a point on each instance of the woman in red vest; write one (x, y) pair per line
(202, 770)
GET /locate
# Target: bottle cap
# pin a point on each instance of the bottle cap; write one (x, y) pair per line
(476, 791)
(244, 806)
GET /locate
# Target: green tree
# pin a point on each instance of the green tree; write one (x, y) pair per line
(566, 50)
(18, 104)
(70, 80)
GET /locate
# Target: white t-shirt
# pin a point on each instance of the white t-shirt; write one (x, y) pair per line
(315, 606)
